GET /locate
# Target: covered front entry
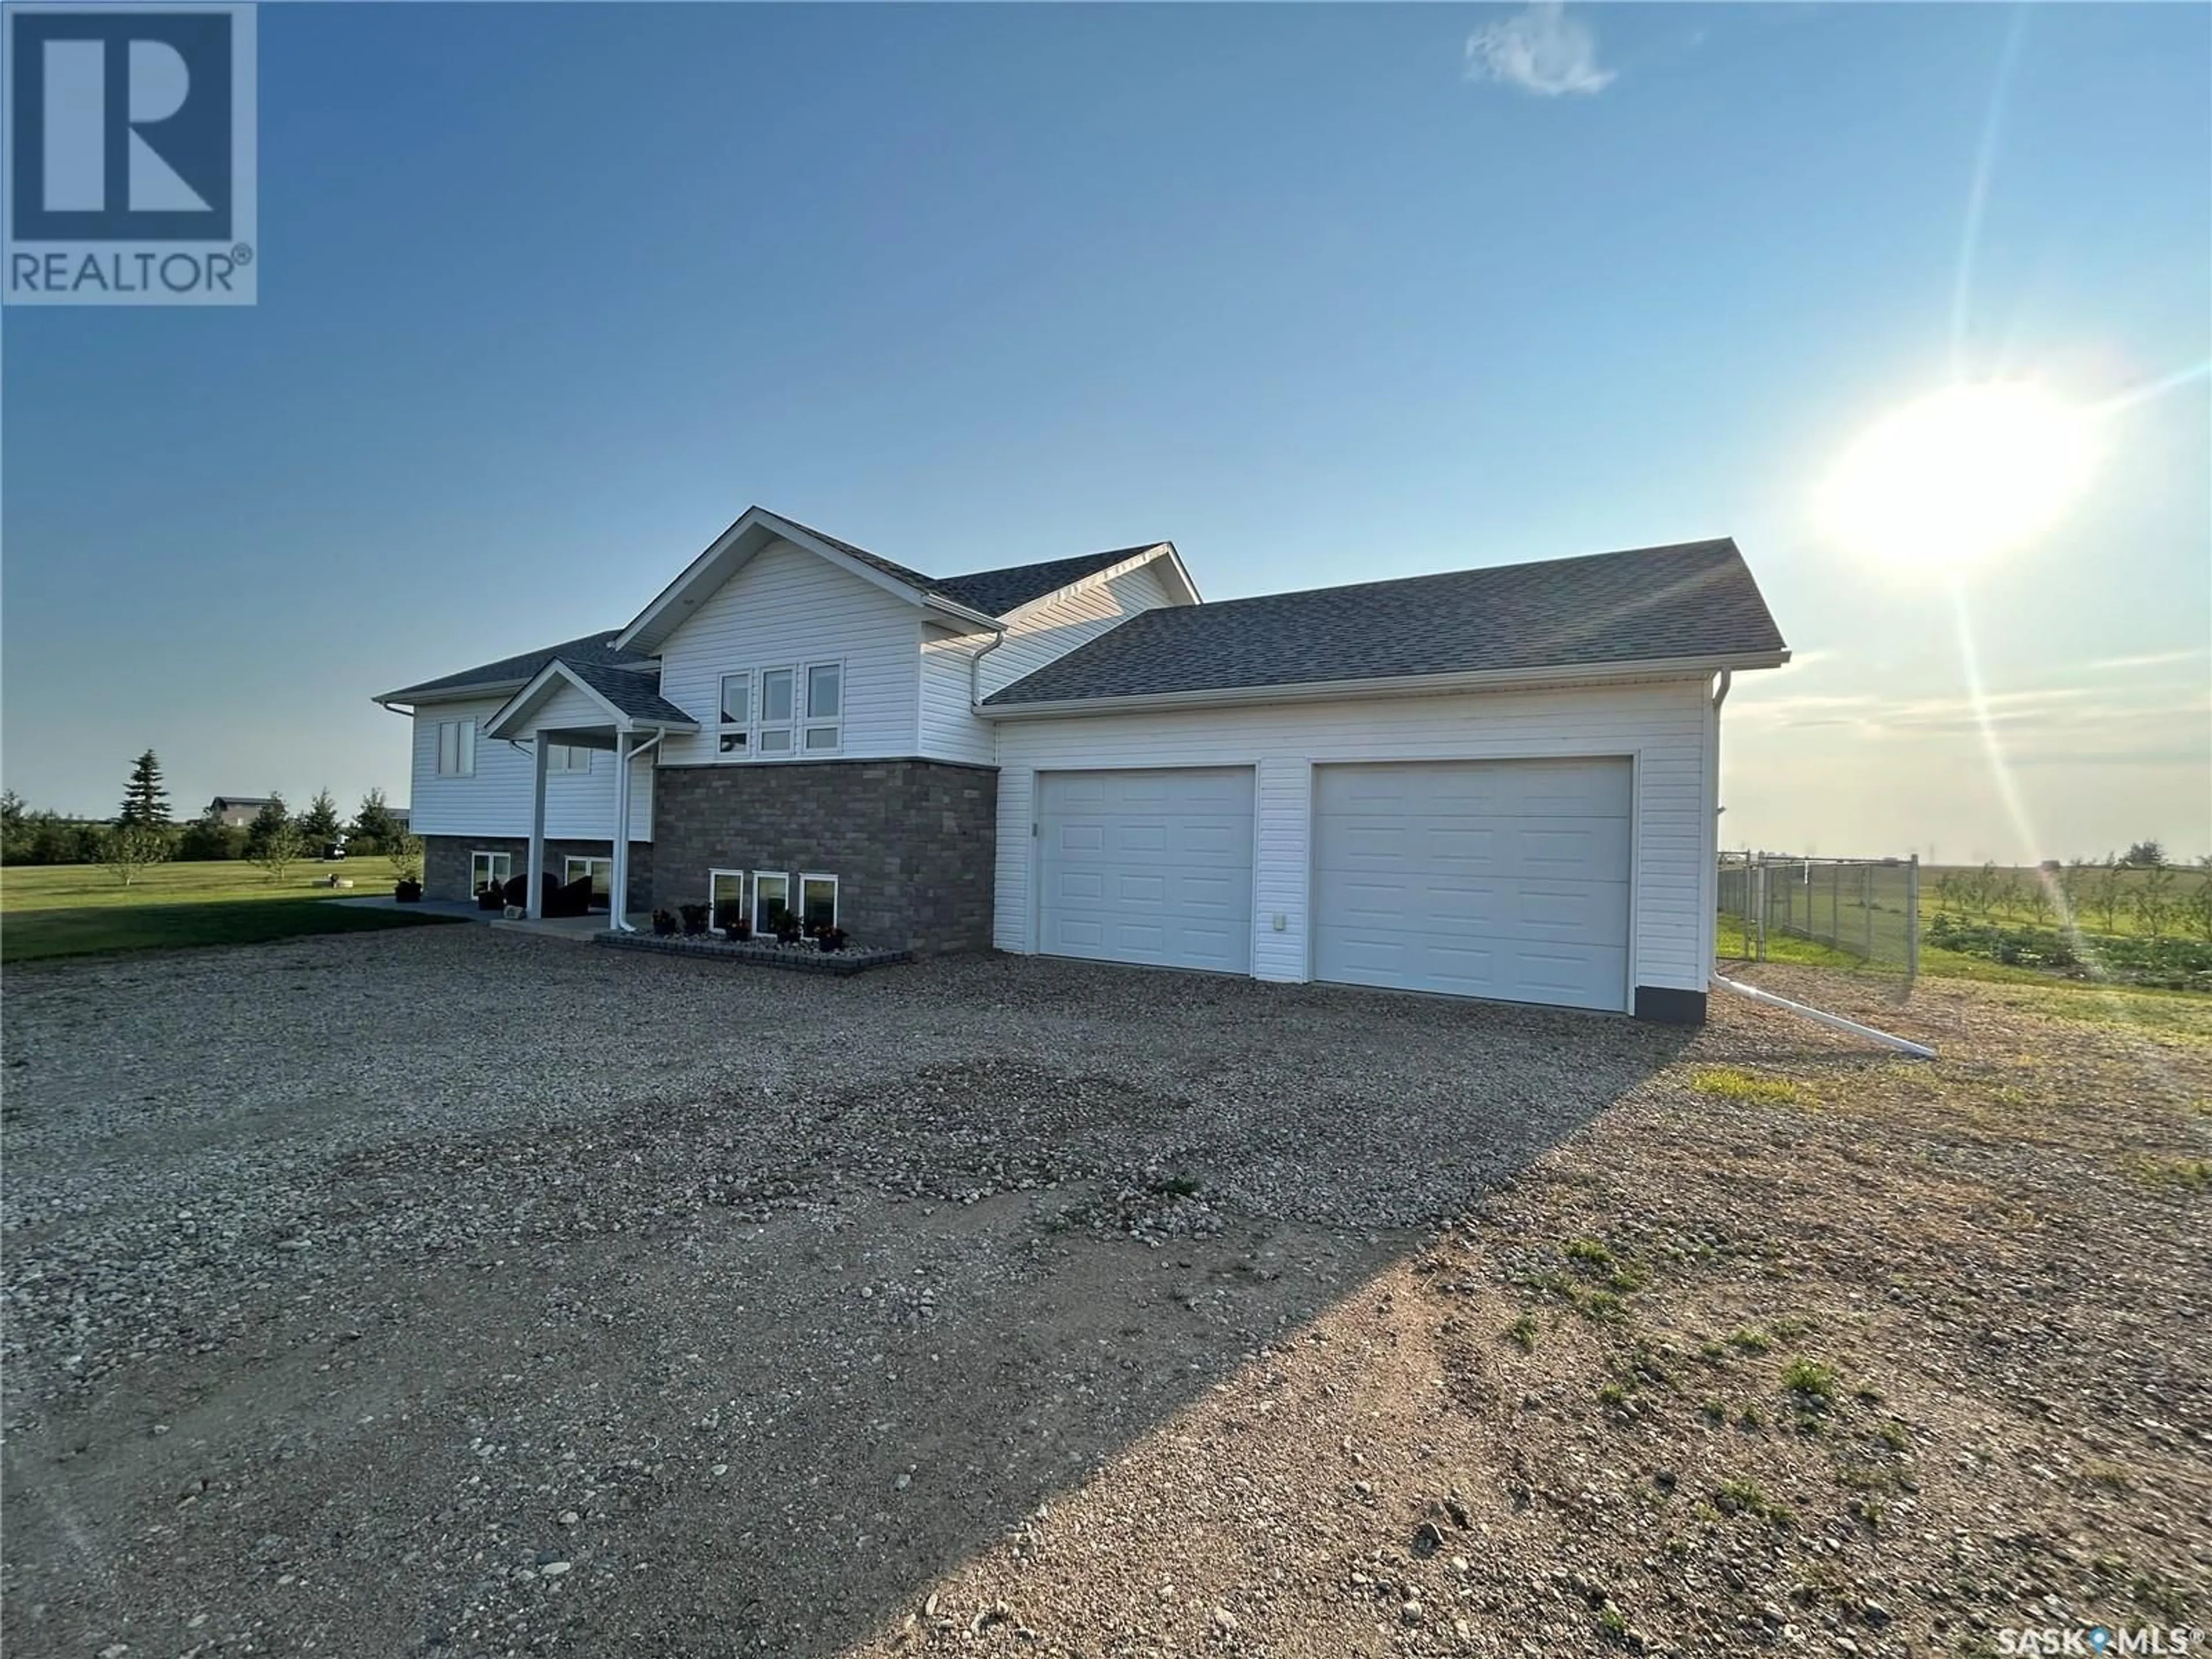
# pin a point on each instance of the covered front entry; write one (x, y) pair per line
(569, 707)
(1489, 878)
(1152, 867)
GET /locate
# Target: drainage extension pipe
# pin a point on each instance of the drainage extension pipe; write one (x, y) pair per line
(1917, 1050)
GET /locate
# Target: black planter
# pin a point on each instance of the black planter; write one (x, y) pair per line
(407, 892)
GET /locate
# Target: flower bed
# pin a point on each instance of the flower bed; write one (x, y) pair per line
(807, 957)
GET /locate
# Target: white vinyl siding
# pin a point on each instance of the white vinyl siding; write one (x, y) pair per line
(1663, 727)
(785, 610)
(496, 801)
(1038, 635)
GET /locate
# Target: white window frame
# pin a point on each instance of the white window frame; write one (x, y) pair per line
(744, 878)
(464, 759)
(560, 760)
(808, 724)
(726, 729)
(760, 916)
(818, 875)
(570, 862)
(503, 861)
(789, 724)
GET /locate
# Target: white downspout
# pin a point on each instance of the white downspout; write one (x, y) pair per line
(618, 887)
(1835, 1022)
(975, 673)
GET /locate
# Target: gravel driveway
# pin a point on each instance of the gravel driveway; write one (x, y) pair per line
(447, 1290)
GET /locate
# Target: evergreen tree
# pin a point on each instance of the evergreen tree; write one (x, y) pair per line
(145, 802)
(374, 825)
(319, 823)
(273, 817)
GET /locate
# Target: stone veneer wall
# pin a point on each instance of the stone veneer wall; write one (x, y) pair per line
(446, 862)
(913, 844)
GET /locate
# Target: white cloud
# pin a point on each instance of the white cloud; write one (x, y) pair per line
(1541, 50)
(2150, 659)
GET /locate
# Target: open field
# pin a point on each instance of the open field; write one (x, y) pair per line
(75, 910)
(1008, 1305)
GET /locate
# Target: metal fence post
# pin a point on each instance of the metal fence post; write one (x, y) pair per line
(1761, 889)
(1912, 919)
(1866, 905)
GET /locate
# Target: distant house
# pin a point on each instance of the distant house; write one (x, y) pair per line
(236, 812)
(1499, 781)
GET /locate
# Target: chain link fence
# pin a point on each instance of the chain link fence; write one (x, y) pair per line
(1862, 913)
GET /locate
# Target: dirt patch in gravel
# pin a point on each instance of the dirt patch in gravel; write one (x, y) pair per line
(1024, 1306)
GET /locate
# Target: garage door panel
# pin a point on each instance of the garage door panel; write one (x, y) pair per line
(1150, 867)
(1503, 879)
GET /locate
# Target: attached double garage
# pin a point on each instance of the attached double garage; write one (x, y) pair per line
(1556, 851)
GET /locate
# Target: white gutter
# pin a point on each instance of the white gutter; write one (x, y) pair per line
(1834, 1022)
(1660, 668)
(1721, 688)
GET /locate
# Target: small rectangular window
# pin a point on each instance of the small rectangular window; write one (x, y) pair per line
(566, 758)
(771, 893)
(778, 707)
(736, 713)
(490, 870)
(601, 871)
(818, 901)
(457, 748)
(825, 703)
(726, 897)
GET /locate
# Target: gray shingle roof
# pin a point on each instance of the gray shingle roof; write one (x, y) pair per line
(896, 572)
(597, 648)
(1696, 599)
(637, 695)
(994, 593)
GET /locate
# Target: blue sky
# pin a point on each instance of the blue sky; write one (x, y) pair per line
(550, 294)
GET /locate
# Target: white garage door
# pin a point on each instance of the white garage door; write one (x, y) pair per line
(1486, 878)
(1147, 866)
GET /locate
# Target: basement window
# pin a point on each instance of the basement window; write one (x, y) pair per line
(817, 901)
(601, 871)
(490, 870)
(725, 897)
(771, 893)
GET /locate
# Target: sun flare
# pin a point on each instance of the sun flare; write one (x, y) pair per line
(1960, 476)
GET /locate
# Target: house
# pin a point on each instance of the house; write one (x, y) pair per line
(236, 812)
(1498, 782)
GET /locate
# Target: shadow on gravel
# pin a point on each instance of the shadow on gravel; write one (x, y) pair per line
(740, 1362)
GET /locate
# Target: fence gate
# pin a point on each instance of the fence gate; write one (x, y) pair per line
(1858, 913)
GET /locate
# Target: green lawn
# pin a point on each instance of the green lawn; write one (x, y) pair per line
(73, 909)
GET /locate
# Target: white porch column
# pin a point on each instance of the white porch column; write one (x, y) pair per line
(536, 872)
(618, 894)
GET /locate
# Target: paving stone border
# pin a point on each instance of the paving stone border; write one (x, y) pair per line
(838, 963)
